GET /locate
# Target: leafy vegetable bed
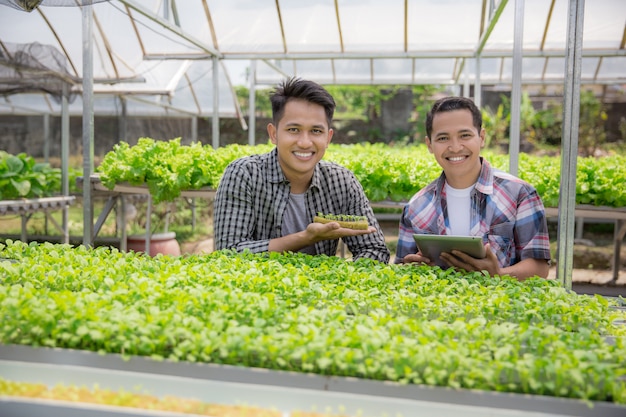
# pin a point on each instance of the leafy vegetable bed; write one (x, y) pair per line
(22, 177)
(326, 315)
(386, 172)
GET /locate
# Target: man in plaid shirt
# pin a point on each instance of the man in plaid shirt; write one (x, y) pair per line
(266, 203)
(471, 198)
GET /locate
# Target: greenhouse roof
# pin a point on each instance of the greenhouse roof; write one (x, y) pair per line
(161, 54)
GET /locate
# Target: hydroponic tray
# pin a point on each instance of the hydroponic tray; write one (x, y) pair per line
(281, 390)
(125, 188)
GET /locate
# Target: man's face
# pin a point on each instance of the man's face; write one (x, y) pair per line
(301, 138)
(456, 144)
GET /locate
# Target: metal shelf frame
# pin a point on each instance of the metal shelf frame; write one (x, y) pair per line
(26, 207)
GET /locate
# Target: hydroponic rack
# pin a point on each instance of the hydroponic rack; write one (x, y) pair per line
(285, 391)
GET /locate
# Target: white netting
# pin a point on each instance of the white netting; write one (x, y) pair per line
(30, 5)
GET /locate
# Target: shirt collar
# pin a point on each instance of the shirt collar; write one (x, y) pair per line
(485, 178)
(484, 184)
(276, 174)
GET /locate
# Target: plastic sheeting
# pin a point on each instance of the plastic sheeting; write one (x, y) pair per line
(161, 50)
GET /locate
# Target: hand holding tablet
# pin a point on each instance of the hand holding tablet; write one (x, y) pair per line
(431, 246)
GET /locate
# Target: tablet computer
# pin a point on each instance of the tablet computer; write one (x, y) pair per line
(432, 245)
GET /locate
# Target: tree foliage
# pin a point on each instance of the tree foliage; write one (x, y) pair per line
(545, 126)
(361, 102)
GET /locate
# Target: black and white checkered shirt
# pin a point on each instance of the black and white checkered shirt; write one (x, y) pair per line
(253, 194)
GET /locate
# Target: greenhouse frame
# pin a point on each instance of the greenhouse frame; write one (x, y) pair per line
(185, 58)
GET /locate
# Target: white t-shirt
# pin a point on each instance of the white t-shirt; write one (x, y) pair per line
(459, 209)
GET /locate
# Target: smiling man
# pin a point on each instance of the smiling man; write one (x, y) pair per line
(267, 202)
(471, 198)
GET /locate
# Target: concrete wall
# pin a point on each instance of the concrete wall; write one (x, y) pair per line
(26, 133)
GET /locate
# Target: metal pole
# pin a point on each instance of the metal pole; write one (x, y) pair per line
(477, 85)
(194, 129)
(148, 226)
(194, 139)
(466, 84)
(252, 106)
(216, 103)
(569, 144)
(65, 156)
(166, 10)
(516, 90)
(87, 122)
(123, 120)
(46, 137)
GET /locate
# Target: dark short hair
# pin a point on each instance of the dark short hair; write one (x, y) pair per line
(453, 103)
(297, 88)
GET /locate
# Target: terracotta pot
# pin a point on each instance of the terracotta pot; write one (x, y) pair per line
(164, 243)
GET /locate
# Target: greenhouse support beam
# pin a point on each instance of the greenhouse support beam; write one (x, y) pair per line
(216, 104)
(466, 82)
(123, 119)
(194, 129)
(172, 28)
(295, 56)
(46, 137)
(493, 20)
(516, 90)
(161, 105)
(65, 157)
(252, 105)
(569, 143)
(478, 99)
(87, 19)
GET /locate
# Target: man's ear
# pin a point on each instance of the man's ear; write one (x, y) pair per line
(331, 132)
(482, 137)
(271, 131)
(428, 143)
